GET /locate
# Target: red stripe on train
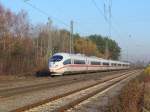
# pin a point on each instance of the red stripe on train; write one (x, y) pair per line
(77, 65)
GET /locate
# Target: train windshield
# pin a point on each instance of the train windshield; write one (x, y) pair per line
(56, 58)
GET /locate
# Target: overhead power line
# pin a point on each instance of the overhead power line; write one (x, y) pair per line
(45, 13)
(105, 15)
(100, 11)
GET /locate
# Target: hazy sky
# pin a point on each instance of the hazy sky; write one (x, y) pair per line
(130, 20)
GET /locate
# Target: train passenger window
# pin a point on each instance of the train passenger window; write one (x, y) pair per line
(119, 64)
(95, 63)
(105, 63)
(113, 64)
(79, 62)
(66, 62)
(56, 58)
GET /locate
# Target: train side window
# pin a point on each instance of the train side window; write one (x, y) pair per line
(66, 62)
(105, 63)
(79, 62)
(112, 64)
(95, 63)
(115, 64)
(119, 64)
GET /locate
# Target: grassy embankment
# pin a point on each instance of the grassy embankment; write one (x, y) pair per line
(147, 91)
(134, 97)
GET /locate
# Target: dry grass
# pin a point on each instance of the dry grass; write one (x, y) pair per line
(147, 97)
(129, 100)
(147, 89)
(134, 97)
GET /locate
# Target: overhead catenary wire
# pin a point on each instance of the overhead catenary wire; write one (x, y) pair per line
(100, 11)
(107, 20)
(62, 22)
(110, 20)
(104, 15)
(45, 13)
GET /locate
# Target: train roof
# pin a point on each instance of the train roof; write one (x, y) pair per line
(80, 56)
(70, 55)
(93, 58)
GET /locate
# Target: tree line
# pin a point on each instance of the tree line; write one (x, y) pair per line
(25, 47)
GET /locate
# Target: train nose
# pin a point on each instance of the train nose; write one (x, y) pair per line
(51, 64)
(51, 69)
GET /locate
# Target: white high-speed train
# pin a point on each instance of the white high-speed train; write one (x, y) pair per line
(62, 63)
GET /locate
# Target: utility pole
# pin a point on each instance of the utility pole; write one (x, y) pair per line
(106, 49)
(128, 49)
(50, 47)
(108, 8)
(71, 38)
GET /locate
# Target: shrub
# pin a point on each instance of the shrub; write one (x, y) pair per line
(147, 70)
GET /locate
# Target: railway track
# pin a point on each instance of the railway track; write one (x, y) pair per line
(68, 100)
(67, 80)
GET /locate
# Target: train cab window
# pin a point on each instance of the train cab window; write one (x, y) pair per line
(79, 62)
(95, 63)
(66, 62)
(56, 58)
